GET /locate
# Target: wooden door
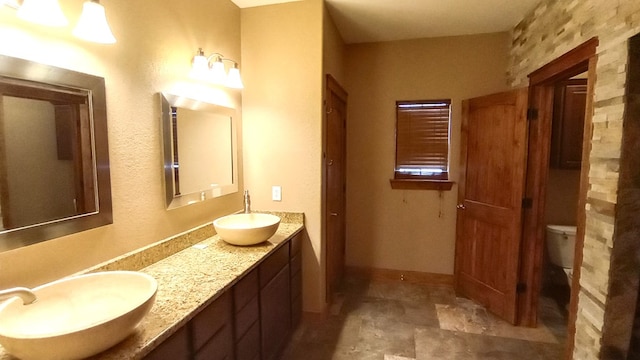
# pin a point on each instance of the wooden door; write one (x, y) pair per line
(491, 186)
(335, 167)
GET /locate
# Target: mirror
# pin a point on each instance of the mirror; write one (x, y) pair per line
(200, 150)
(54, 160)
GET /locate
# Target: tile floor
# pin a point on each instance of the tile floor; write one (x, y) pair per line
(401, 321)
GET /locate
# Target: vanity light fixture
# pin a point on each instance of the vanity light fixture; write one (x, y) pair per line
(92, 25)
(43, 12)
(211, 68)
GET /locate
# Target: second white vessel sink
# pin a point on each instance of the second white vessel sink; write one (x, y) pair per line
(246, 229)
(76, 317)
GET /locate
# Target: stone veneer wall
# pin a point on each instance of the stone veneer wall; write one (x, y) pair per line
(621, 329)
(550, 30)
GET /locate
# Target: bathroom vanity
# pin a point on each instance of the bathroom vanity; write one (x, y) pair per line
(216, 300)
(252, 319)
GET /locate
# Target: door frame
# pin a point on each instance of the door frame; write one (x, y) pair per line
(541, 82)
(331, 86)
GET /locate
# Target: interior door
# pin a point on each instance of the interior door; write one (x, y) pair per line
(488, 234)
(335, 163)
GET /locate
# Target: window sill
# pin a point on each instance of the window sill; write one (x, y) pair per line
(423, 184)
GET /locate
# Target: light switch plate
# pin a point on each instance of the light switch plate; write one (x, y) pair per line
(276, 193)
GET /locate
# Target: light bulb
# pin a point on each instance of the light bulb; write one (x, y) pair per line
(199, 66)
(218, 73)
(92, 25)
(43, 12)
(233, 79)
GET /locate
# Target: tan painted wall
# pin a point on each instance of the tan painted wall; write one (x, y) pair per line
(156, 41)
(30, 132)
(408, 229)
(334, 50)
(282, 54)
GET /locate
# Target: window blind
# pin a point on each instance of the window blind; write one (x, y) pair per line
(422, 139)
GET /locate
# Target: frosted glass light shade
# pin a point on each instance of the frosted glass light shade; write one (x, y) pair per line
(93, 25)
(43, 12)
(233, 79)
(199, 67)
(218, 73)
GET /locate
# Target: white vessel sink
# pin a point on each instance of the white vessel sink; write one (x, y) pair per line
(246, 229)
(76, 317)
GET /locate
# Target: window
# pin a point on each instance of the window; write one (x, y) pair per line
(422, 140)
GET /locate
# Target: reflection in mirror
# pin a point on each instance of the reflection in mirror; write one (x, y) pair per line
(54, 173)
(200, 150)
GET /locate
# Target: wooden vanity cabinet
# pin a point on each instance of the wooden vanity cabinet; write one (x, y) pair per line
(570, 99)
(207, 336)
(252, 321)
(275, 303)
(247, 317)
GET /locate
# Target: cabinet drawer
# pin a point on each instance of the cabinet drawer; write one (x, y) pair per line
(273, 264)
(176, 347)
(219, 347)
(245, 290)
(207, 323)
(248, 346)
(246, 317)
(296, 244)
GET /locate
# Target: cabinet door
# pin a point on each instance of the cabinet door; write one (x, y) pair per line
(247, 317)
(176, 347)
(296, 299)
(569, 104)
(212, 337)
(296, 281)
(248, 346)
(219, 347)
(275, 310)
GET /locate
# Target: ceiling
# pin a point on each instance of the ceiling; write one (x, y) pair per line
(386, 20)
(253, 3)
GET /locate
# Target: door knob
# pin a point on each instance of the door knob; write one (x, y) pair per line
(461, 206)
(330, 162)
(334, 214)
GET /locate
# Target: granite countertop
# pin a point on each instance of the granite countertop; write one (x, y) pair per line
(188, 281)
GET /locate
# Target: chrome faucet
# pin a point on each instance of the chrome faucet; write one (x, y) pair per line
(247, 202)
(27, 296)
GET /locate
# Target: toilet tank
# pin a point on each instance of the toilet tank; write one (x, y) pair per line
(561, 244)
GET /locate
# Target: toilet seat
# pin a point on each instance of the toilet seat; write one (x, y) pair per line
(563, 229)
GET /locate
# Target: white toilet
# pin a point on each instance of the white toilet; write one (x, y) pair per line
(561, 243)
